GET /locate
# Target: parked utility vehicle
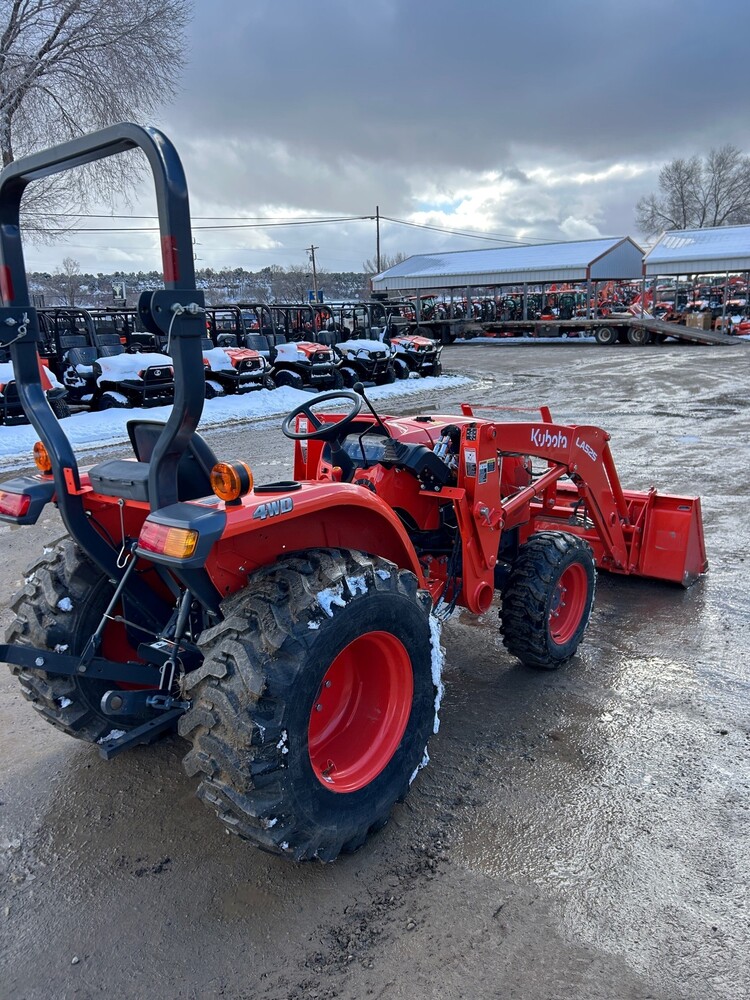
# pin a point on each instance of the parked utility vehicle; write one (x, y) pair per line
(289, 629)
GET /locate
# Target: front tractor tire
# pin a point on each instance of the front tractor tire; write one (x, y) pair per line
(548, 598)
(59, 609)
(314, 704)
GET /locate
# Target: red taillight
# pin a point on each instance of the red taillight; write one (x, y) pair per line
(14, 504)
(179, 543)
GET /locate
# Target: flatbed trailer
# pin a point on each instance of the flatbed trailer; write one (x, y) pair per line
(607, 330)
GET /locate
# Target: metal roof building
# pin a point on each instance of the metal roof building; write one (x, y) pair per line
(700, 251)
(583, 260)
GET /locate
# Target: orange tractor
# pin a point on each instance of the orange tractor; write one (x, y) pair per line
(290, 630)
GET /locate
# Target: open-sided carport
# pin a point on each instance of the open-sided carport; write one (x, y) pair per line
(724, 250)
(590, 261)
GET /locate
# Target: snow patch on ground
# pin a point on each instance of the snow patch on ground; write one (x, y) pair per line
(330, 596)
(65, 604)
(101, 431)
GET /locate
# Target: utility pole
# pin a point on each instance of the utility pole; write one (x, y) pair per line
(377, 237)
(311, 250)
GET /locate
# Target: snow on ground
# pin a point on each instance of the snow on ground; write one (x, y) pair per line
(89, 431)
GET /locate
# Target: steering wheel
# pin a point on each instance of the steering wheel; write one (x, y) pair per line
(322, 431)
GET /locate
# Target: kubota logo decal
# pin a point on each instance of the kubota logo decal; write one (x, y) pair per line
(543, 439)
(273, 508)
(586, 449)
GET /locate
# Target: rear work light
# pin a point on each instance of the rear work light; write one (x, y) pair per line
(41, 459)
(178, 543)
(14, 504)
(231, 480)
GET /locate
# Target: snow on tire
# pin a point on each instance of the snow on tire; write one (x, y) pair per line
(58, 609)
(290, 753)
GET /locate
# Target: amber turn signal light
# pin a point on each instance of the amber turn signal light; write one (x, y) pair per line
(178, 543)
(231, 480)
(41, 459)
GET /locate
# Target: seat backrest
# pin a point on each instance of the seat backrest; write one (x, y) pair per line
(69, 340)
(194, 469)
(109, 345)
(82, 355)
(279, 338)
(257, 342)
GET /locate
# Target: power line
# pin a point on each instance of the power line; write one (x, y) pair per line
(492, 237)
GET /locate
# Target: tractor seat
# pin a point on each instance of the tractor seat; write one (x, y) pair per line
(129, 479)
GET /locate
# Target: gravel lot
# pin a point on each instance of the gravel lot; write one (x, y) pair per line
(578, 835)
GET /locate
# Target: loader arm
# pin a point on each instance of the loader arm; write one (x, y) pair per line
(581, 452)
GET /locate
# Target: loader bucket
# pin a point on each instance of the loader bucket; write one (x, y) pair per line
(672, 546)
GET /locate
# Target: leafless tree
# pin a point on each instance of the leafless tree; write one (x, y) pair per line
(68, 67)
(292, 284)
(67, 282)
(699, 193)
(370, 266)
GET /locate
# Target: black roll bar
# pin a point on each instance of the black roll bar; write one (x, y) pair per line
(177, 310)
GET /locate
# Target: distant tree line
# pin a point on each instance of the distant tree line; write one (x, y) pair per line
(67, 285)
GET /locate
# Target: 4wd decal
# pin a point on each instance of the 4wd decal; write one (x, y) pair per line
(272, 508)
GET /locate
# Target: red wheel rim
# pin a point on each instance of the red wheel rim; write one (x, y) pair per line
(568, 604)
(360, 713)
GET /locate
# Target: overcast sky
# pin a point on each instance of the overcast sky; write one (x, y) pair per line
(545, 120)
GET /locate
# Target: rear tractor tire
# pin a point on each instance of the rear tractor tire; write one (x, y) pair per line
(548, 598)
(314, 704)
(58, 609)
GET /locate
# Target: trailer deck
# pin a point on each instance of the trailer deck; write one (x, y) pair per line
(620, 324)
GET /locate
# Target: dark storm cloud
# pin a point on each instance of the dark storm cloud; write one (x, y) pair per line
(446, 84)
(546, 119)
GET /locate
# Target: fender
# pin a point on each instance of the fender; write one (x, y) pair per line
(268, 526)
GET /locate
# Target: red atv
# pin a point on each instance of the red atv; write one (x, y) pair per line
(290, 630)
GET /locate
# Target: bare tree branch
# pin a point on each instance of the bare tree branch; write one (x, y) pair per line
(68, 67)
(696, 193)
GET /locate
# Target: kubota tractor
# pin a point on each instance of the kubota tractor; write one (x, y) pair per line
(290, 630)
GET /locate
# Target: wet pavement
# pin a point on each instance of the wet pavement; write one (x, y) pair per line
(578, 834)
